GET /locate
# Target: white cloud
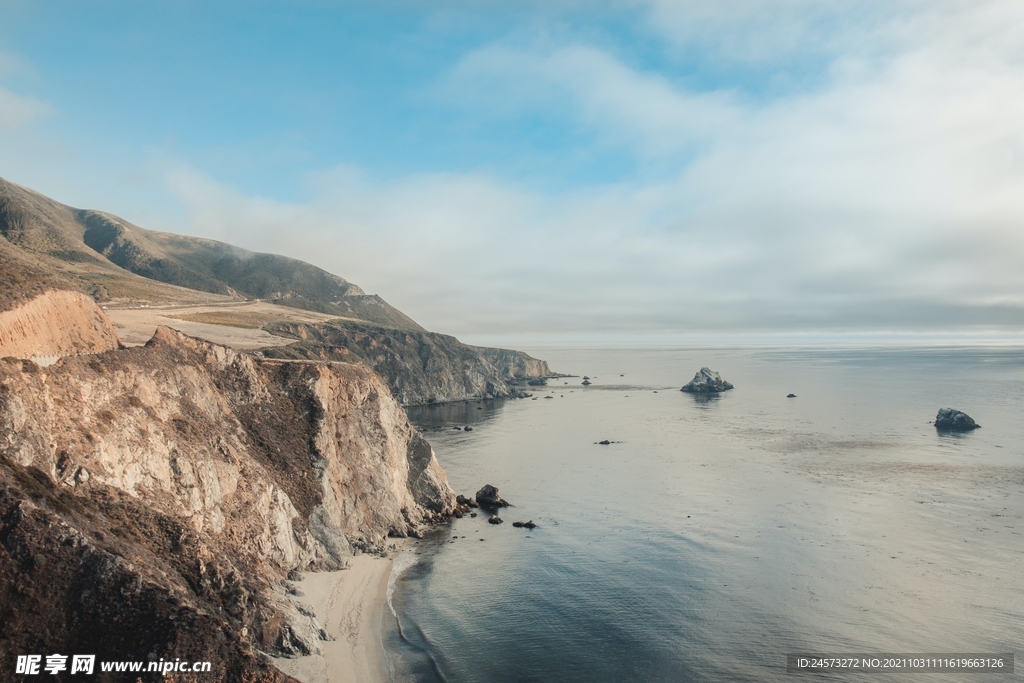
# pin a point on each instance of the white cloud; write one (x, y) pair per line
(623, 104)
(18, 110)
(889, 195)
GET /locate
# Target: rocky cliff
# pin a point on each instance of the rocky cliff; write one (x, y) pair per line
(163, 493)
(515, 364)
(56, 323)
(419, 367)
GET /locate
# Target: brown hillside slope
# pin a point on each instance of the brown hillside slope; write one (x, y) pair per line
(114, 260)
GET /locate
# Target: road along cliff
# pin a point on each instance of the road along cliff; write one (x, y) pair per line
(153, 500)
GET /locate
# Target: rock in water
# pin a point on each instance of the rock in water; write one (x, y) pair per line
(488, 497)
(706, 381)
(949, 420)
(790, 395)
(495, 519)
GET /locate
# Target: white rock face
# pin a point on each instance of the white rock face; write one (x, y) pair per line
(706, 381)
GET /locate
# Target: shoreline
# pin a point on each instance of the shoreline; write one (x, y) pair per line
(350, 604)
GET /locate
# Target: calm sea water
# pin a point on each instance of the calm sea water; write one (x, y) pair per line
(717, 535)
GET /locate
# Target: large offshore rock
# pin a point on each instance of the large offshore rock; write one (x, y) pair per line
(706, 381)
(950, 420)
(488, 497)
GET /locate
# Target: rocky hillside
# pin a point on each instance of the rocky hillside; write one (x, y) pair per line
(419, 367)
(114, 260)
(166, 491)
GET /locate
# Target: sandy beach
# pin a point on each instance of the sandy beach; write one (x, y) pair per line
(349, 604)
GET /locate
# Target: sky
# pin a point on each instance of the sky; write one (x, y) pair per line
(586, 171)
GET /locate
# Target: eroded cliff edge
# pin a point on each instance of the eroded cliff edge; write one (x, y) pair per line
(153, 500)
(419, 367)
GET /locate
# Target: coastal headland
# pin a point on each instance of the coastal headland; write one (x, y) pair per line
(205, 454)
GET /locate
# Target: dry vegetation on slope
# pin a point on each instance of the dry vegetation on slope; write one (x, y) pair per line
(114, 260)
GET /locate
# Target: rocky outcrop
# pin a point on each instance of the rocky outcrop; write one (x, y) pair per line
(706, 381)
(515, 364)
(488, 497)
(198, 478)
(56, 323)
(950, 420)
(419, 367)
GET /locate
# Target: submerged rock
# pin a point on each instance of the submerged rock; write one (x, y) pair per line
(488, 497)
(950, 420)
(706, 381)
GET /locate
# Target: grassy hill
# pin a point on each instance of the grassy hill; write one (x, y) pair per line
(116, 261)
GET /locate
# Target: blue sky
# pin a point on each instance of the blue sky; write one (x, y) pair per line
(639, 169)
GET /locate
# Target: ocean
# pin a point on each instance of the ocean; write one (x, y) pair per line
(716, 535)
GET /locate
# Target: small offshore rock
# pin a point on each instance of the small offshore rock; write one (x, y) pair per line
(517, 524)
(790, 395)
(468, 428)
(950, 420)
(530, 525)
(488, 497)
(463, 500)
(585, 382)
(605, 442)
(706, 381)
(495, 519)
(472, 514)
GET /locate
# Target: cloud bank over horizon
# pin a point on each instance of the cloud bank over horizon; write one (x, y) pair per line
(819, 167)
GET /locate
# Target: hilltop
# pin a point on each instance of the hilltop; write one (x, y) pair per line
(120, 263)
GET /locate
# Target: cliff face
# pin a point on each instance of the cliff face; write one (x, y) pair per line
(197, 477)
(419, 367)
(515, 364)
(56, 323)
